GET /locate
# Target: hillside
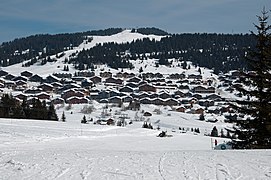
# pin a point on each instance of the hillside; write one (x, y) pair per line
(221, 52)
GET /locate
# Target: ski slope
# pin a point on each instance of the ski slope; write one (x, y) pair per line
(31, 149)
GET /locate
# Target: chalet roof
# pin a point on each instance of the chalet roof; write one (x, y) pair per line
(125, 88)
(171, 99)
(103, 101)
(3, 73)
(53, 77)
(95, 77)
(9, 76)
(58, 98)
(113, 79)
(75, 97)
(72, 85)
(134, 79)
(46, 85)
(36, 75)
(57, 84)
(146, 85)
(131, 84)
(42, 93)
(146, 98)
(142, 83)
(73, 90)
(163, 92)
(196, 106)
(33, 90)
(19, 78)
(20, 94)
(27, 73)
(9, 82)
(115, 97)
(128, 97)
(212, 108)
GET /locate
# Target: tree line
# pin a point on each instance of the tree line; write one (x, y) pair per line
(12, 108)
(220, 52)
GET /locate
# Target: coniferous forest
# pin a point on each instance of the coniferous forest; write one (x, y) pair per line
(35, 109)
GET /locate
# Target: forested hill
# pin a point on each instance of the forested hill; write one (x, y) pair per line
(43, 45)
(221, 52)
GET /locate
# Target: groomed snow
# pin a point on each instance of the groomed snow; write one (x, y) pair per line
(31, 149)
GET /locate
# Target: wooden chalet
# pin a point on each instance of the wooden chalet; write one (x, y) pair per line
(77, 100)
(113, 81)
(36, 78)
(71, 93)
(147, 88)
(126, 89)
(43, 96)
(46, 87)
(58, 100)
(134, 80)
(201, 89)
(171, 102)
(106, 74)
(115, 99)
(52, 79)
(181, 109)
(96, 79)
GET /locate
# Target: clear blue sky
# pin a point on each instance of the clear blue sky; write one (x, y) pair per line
(20, 18)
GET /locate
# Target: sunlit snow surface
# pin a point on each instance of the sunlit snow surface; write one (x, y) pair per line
(58, 150)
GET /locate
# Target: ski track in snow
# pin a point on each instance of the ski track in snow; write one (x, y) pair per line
(85, 164)
(31, 150)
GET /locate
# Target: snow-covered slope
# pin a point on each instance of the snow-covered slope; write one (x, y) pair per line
(57, 150)
(54, 67)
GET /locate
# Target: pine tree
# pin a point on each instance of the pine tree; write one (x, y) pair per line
(84, 120)
(202, 117)
(145, 125)
(52, 113)
(199, 70)
(184, 65)
(63, 117)
(255, 130)
(222, 133)
(214, 132)
(150, 126)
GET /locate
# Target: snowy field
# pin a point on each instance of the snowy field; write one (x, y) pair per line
(58, 150)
